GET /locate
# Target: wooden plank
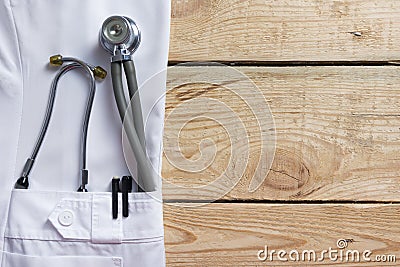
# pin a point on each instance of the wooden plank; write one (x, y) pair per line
(337, 130)
(232, 234)
(285, 30)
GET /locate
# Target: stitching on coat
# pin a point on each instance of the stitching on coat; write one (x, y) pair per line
(22, 80)
(20, 115)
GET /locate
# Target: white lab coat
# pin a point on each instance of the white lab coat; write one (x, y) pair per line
(50, 224)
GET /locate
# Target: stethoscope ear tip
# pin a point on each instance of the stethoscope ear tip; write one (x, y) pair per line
(99, 73)
(22, 183)
(56, 60)
(81, 189)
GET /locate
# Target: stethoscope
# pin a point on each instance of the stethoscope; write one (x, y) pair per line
(120, 36)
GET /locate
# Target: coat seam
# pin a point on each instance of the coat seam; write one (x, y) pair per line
(12, 17)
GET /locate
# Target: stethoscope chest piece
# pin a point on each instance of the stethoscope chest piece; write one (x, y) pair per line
(120, 36)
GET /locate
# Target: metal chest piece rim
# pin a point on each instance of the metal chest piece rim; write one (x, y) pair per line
(120, 36)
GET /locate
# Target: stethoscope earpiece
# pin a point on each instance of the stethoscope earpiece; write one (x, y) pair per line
(56, 60)
(92, 72)
(98, 72)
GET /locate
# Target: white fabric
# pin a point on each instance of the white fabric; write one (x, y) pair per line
(35, 235)
(89, 234)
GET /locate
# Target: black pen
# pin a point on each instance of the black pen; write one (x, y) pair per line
(114, 196)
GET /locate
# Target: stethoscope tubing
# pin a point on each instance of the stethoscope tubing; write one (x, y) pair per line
(133, 121)
(88, 69)
(89, 106)
(136, 108)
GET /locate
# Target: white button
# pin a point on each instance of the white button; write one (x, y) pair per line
(66, 218)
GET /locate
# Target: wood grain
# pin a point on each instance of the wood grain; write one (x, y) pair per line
(337, 132)
(232, 234)
(285, 30)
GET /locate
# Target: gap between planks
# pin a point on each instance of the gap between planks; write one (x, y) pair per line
(279, 202)
(287, 63)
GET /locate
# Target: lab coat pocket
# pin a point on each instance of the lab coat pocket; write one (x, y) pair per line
(51, 227)
(17, 260)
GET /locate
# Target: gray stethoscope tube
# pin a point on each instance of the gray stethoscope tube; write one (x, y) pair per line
(93, 72)
(120, 36)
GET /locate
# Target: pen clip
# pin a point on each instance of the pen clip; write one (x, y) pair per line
(126, 187)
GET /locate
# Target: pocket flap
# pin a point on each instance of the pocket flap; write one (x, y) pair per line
(72, 218)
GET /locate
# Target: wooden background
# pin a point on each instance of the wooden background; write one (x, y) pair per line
(328, 71)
